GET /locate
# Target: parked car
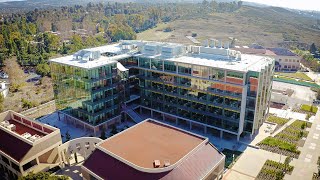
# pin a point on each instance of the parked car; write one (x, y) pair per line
(316, 102)
(4, 75)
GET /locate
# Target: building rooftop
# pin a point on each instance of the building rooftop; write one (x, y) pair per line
(282, 52)
(131, 154)
(16, 129)
(24, 128)
(150, 141)
(198, 55)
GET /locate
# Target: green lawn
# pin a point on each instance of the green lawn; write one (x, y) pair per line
(277, 120)
(309, 108)
(297, 75)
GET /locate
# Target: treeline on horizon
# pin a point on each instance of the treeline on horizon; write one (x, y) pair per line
(35, 36)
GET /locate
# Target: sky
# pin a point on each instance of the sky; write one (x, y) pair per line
(293, 4)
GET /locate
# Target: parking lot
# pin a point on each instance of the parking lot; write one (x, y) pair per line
(301, 94)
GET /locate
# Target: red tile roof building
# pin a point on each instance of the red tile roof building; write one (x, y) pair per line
(27, 145)
(135, 153)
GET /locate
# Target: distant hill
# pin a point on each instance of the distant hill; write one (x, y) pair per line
(21, 5)
(267, 26)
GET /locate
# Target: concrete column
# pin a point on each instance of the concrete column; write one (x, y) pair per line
(238, 137)
(190, 125)
(94, 132)
(151, 113)
(163, 118)
(205, 129)
(221, 134)
(177, 121)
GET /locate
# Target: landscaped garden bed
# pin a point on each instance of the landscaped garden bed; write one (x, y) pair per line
(307, 109)
(279, 121)
(297, 75)
(273, 170)
(287, 141)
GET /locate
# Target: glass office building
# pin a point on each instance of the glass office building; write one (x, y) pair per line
(87, 93)
(216, 88)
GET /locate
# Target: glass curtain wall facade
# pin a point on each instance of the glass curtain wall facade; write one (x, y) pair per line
(88, 94)
(224, 99)
(207, 95)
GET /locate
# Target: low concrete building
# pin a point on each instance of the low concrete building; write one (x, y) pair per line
(27, 146)
(153, 150)
(285, 60)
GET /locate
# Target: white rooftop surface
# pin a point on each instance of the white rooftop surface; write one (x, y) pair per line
(112, 48)
(247, 62)
(103, 60)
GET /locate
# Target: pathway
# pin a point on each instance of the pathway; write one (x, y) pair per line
(283, 127)
(250, 163)
(306, 165)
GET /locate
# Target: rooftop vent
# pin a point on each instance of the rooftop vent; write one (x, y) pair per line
(34, 137)
(26, 135)
(156, 163)
(166, 163)
(5, 123)
(11, 127)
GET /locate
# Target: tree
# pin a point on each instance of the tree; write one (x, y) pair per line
(64, 49)
(318, 94)
(43, 176)
(286, 162)
(113, 130)
(1, 102)
(43, 69)
(76, 42)
(103, 134)
(313, 48)
(68, 136)
(233, 43)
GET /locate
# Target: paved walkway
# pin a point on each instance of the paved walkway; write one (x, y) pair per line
(283, 127)
(250, 163)
(306, 165)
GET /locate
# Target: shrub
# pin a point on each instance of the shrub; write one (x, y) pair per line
(27, 104)
(278, 120)
(309, 108)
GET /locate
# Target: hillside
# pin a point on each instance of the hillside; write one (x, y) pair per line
(268, 26)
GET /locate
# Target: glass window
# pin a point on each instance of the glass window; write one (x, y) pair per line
(184, 68)
(234, 77)
(156, 64)
(144, 62)
(220, 75)
(170, 66)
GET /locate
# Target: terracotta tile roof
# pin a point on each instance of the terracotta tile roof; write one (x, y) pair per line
(149, 141)
(13, 146)
(194, 167)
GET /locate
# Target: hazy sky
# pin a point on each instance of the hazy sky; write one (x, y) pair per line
(294, 4)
